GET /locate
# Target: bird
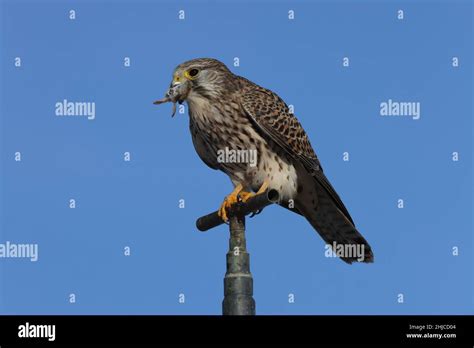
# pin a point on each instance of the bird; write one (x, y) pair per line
(230, 111)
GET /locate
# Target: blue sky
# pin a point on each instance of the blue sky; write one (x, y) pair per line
(136, 203)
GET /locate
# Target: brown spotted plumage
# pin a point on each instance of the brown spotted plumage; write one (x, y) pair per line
(229, 111)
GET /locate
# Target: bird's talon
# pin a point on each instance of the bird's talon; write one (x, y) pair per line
(228, 202)
(222, 213)
(256, 212)
(236, 196)
(245, 196)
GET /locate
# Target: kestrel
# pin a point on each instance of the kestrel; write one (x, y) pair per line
(229, 111)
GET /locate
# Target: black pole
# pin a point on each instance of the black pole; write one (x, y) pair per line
(238, 281)
(254, 204)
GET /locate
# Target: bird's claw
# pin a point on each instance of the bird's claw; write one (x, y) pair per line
(228, 201)
(256, 213)
(235, 197)
(245, 196)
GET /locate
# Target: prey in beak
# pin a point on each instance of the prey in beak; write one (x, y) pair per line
(173, 94)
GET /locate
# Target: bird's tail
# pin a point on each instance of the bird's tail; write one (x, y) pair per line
(318, 207)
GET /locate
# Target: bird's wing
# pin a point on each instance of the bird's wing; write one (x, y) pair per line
(272, 117)
(200, 146)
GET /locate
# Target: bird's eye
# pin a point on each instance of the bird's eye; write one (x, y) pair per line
(193, 72)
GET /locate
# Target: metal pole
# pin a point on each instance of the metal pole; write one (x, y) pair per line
(238, 281)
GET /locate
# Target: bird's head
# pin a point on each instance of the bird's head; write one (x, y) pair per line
(197, 78)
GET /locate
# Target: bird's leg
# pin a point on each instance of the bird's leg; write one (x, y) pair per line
(245, 196)
(228, 201)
